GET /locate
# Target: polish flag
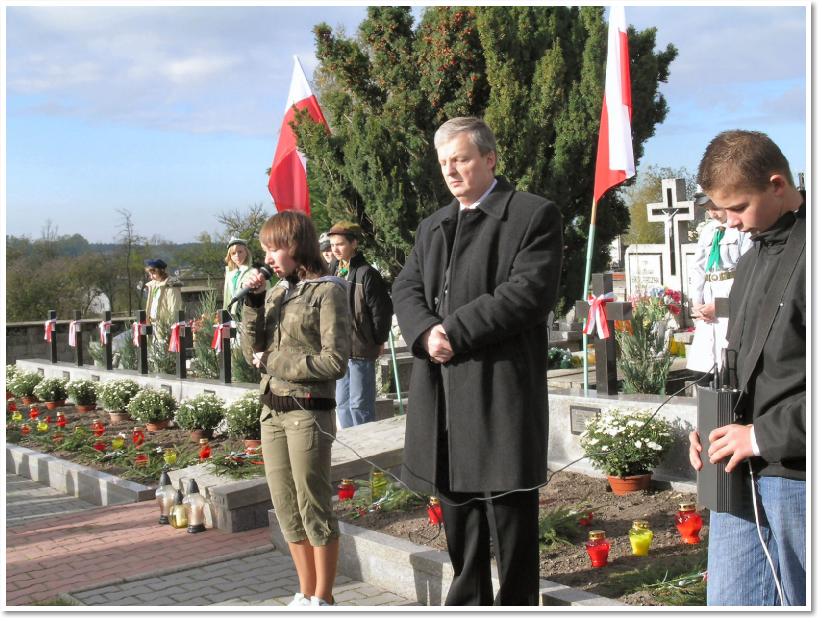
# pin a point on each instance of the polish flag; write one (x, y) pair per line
(287, 184)
(615, 153)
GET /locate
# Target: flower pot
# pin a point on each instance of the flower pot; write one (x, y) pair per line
(9, 395)
(55, 404)
(154, 426)
(118, 416)
(251, 443)
(196, 435)
(28, 400)
(621, 486)
(86, 408)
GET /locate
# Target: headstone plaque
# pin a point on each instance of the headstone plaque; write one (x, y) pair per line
(580, 416)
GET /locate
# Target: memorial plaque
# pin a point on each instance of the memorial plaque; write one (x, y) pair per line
(209, 392)
(41, 371)
(67, 375)
(580, 416)
(166, 388)
(95, 378)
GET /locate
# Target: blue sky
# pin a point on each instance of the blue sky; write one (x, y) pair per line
(172, 112)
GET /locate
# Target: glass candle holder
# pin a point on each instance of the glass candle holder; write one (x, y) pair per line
(11, 405)
(378, 485)
(97, 427)
(640, 536)
(688, 523)
(137, 437)
(170, 456)
(61, 420)
(345, 489)
(34, 412)
(597, 548)
(434, 511)
(25, 429)
(205, 449)
(42, 426)
(16, 416)
(118, 441)
(140, 460)
(100, 446)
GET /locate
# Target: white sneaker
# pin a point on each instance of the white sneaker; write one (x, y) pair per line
(319, 602)
(299, 601)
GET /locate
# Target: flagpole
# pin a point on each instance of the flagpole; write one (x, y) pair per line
(589, 256)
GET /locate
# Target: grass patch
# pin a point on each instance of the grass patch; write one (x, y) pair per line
(671, 581)
(55, 602)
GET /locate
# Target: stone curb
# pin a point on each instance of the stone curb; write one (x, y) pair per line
(417, 572)
(166, 571)
(73, 479)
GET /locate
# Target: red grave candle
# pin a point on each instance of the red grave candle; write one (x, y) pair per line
(140, 460)
(434, 511)
(598, 548)
(97, 427)
(137, 437)
(34, 412)
(99, 446)
(25, 429)
(688, 523)
(205, 449)
(345, 489)
(61, 420)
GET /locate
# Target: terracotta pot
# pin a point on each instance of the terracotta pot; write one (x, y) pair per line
(86, 408)
(55, 404)
(9, 395)
(28, 400)
(118, 416)
(196, 435)
(251, 443)
(621, 486)
(154, 426)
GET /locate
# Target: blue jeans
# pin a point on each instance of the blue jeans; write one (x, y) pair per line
(738, 571)
(357, 393)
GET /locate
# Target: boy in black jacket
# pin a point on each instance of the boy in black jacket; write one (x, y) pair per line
(746, 174)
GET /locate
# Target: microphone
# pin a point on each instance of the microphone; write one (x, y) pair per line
(265, 271)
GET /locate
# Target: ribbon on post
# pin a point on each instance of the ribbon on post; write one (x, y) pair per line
(50, 326)
(104, 328)
(597, 319)
(73, 333)
(137, 329)
(174, 344)
(217, 339)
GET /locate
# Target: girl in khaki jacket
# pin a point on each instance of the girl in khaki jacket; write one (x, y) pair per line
(164, 299)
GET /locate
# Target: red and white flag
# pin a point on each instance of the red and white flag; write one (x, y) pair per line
(287, 184)
(615, 153)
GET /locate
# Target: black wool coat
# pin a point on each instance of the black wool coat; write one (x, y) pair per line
(503, 283)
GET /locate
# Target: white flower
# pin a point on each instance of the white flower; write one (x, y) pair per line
(638, 444)
(593, 441)
(654, 446)
(605, 448)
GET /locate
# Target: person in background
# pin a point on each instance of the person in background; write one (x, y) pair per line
(238, 267)
(472, 302)
(325, 249)
(746, 174)
(711, 276)
(371, 311)
(163, 298)
(299, 335)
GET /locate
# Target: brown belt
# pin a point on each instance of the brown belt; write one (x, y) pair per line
(724, 275)
(284, 403)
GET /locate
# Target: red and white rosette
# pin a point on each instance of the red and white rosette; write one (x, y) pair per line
(105, 329)
(221, 331)
(174, 344)
(73, 327)
(597, 320)
(50, 327)
(137, 329)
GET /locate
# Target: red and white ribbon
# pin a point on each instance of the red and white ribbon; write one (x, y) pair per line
(597, 320)
(104, 328)
(221, 331)
(174, 344)
(137, 329)
(50, 326)
(73, 327)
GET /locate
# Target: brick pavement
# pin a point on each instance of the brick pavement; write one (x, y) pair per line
(120, 556)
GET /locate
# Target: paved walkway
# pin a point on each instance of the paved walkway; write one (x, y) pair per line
(120, 555)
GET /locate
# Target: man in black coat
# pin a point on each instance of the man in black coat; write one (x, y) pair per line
(747, 175)
(472, 302)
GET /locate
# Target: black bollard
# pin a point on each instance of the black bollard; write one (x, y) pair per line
(225, 347)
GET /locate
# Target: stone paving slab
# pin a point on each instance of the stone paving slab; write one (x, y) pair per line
(27, 500)
(265, 579)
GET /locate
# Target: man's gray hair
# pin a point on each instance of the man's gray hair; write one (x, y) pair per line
(478, 132)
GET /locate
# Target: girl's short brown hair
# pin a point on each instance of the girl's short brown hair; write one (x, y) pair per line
(295, 231)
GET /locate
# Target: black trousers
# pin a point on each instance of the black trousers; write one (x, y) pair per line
(511, 522)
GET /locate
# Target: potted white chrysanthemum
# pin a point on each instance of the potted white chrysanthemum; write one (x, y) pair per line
(52, 391)
(626, 446)
(84, 394)
(152, 407)
(243, 418)
(200, 415)
(115, 396)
